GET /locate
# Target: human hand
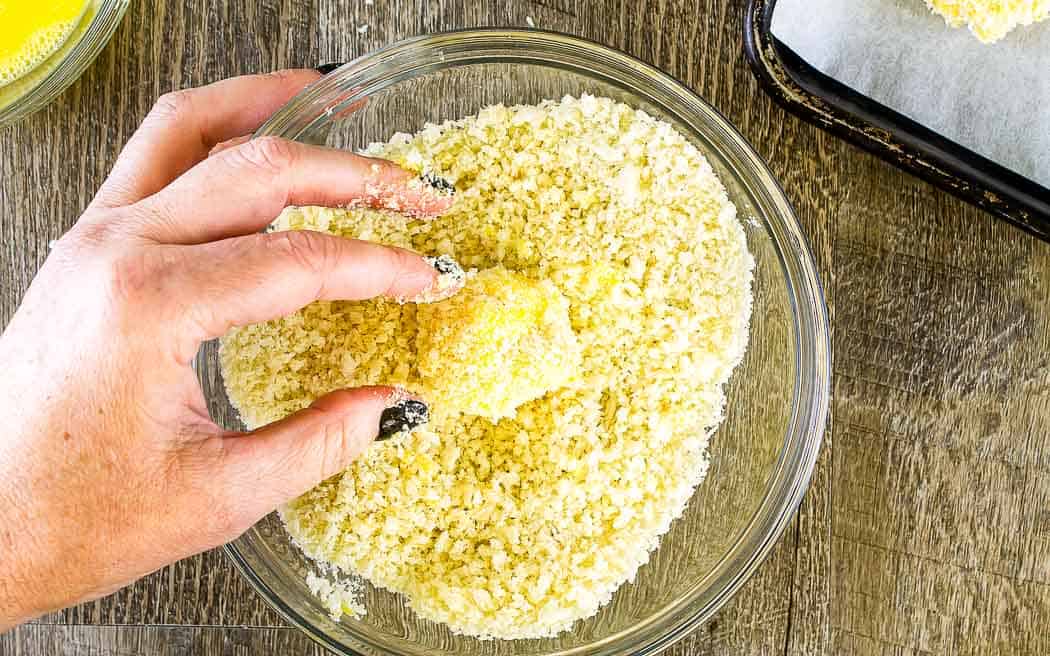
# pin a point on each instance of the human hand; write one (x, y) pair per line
(110, 467)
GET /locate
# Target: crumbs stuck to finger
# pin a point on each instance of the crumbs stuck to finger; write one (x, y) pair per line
(450, 279)
(420, 196)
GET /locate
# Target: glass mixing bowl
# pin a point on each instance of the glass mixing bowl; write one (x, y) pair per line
(40, 86)
(762, 455)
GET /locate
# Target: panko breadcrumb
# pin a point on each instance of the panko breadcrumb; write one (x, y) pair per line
(991, 20)
(340, 597)
(519, 527)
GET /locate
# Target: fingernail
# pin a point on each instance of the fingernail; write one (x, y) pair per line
(438, 184)
(448, 269)
(401, 418)
(325, 69)
(450, 279)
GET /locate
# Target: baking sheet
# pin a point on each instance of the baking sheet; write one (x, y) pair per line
(993, 99)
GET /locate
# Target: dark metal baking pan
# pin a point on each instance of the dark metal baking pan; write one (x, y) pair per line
(817, 98)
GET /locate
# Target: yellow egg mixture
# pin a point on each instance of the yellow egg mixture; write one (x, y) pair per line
(991, 20)
(31, 31)
(573, 383)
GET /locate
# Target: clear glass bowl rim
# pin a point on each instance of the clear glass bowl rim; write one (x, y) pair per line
(69, 70)
(414, 56)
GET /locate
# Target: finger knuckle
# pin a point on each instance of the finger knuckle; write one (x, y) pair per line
(85, 237)
(305, 249)
(129, 275)
(228, 518)
(139, 276)
(401, 259)
(400, 263)
(271, 155)
(337, 447)
(113, 229)
(172, 106)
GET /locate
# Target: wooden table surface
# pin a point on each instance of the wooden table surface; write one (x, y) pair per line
(927, 527)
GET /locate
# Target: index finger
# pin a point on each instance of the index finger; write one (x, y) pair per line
(242, 189)
(184, 126)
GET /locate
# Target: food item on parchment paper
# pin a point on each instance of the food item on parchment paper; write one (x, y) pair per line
(991, 20)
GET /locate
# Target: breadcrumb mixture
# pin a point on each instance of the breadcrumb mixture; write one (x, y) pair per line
(339, 595)
(538, 488)
(991, 20)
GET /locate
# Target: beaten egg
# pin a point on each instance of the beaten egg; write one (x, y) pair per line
(30, 32)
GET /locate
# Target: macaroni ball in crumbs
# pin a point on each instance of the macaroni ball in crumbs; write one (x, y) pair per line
(536, 490)
(501, 341)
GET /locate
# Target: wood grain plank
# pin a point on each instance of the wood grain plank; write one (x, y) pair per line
(941, 409)
(38, 640)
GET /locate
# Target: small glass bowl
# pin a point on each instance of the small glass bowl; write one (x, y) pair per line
(761, 457)
(40, 86)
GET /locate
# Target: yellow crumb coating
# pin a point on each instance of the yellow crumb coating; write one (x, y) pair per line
(991, 20)
(501, 341)
(584, 209)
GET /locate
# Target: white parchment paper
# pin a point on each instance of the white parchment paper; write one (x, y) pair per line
(993, 99)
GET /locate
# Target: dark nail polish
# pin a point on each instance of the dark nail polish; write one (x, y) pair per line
(401, 418)
(325, 69)
(438, 183)
(446, 266)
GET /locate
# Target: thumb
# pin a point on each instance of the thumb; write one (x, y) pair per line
(282, 460)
